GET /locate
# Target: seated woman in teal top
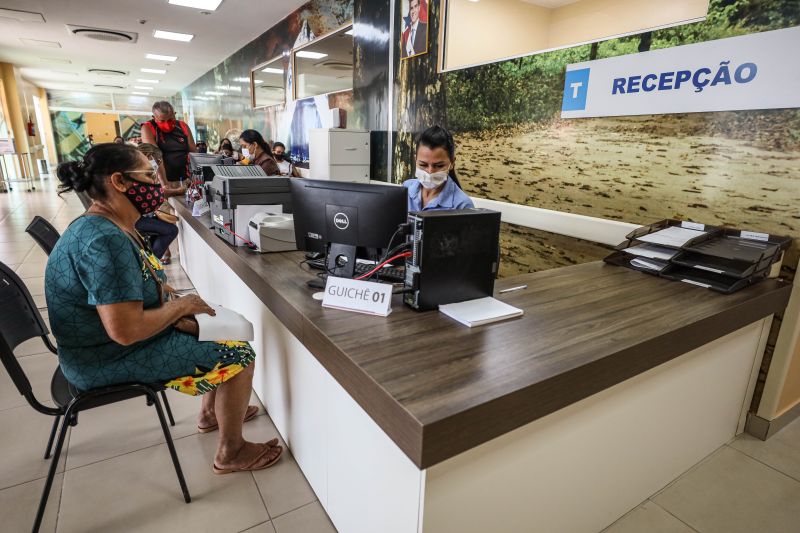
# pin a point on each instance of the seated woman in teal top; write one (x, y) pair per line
(112, 320)
(436, 185)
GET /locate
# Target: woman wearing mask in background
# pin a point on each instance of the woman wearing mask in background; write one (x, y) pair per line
(173, 138)
(112, 319)
(165, 232)
(256, 150)
(225, 148)
(436, 185)
(284, 165)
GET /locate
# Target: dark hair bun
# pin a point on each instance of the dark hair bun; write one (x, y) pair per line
(73, 176)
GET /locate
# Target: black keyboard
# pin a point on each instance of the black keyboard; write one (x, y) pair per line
(387, 273)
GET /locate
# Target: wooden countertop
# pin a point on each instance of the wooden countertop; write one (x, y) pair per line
(438, 388)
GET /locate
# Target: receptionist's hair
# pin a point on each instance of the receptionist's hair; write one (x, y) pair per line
(438, 137)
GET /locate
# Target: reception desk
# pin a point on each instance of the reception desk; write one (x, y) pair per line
(609, 386)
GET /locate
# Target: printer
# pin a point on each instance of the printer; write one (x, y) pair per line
(236, 193)
(272, 232)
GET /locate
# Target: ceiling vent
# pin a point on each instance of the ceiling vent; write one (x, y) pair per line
(107, 72)
(335, 65)
(103, 34)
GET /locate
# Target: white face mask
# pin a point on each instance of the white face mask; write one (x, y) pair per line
(431, 181)
(245, 152)
(154, 164)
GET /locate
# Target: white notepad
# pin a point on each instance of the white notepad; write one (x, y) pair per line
(479, 312)
(652, 251)
(226, 325)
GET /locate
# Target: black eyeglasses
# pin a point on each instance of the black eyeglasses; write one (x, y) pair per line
(152, 174)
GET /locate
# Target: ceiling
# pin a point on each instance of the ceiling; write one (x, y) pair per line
(65, 65)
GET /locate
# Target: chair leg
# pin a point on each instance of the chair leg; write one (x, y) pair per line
(52, 437)
(52, 471)
(167, 408)
(171, 445)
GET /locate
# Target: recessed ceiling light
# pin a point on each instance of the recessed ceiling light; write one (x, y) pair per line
(140, 93)
(20, 16)
(210, 5)
(39, 42)
(242, 80)
(154, 70)
(173, 36)
(140, 80)
(270, 70)
(214, 93)
(54, 60)
(310, 55)
(143, 87)
(159, 57)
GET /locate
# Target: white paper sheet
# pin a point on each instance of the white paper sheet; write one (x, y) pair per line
(673, 236)
(481, 311)
(651, 264)
(652, 251)
(226, 325)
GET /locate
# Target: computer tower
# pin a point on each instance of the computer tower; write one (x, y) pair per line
(455, 257)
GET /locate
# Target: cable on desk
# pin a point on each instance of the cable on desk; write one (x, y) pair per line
(381, 265)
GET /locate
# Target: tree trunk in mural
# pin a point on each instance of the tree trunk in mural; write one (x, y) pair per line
(645, 41)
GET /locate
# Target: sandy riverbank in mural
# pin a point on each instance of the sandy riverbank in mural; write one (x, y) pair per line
(635, 169)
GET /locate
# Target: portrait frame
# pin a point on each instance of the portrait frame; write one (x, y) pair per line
(420, 44)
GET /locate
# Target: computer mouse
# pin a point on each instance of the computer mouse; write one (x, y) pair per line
(314, 255)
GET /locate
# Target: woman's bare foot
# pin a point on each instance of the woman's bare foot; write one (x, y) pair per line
(207, 420)
(251, 456)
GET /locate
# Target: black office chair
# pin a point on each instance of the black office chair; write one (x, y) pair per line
(20, 321)
(43, 233)
(46, 236)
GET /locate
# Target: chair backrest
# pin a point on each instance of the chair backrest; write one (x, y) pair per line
(43, 233)
(20, 320)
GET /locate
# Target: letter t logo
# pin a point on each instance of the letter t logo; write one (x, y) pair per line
(576, 89)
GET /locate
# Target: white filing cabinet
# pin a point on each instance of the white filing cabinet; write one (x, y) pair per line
(339, 155)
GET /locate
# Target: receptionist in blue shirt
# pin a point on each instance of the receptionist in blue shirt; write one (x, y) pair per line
(435, 185)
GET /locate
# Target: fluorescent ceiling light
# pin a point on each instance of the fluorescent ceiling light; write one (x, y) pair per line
(310, 55)
(142, 87)
(242, 80)
(154, 70)
(140, 80)
(271, 70)
(20, 16)
(258, 81)
(54, 60)
(208, 5)
(173, 36)
(40, 42)
(159, 57)
(142, 94)
(214, 93)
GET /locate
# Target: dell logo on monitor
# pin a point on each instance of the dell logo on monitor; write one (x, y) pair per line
(341, 221)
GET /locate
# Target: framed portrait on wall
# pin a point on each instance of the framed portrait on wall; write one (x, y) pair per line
(414, 34)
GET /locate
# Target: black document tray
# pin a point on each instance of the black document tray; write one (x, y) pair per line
(710, 280)
(634, 237)
(733, 255)
(620, 258)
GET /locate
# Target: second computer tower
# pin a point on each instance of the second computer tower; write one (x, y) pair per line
(455, 257)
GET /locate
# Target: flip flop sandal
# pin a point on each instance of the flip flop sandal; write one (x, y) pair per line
(251, 412)
(255, 464)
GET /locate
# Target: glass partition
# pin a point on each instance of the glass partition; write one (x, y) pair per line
(268, 84)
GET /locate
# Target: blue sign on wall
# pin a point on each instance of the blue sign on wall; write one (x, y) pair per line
(576, 87)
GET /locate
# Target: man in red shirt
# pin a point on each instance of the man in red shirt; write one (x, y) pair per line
(174, 139)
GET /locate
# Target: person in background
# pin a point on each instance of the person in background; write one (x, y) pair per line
(174, 139)
(258, 152)
(436, 185)
(113, 319)
(202, 147)
(119, 140)
(165, 232)
(284, 165)
(226, 148)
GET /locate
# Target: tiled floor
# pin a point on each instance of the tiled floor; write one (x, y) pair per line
(115, 474)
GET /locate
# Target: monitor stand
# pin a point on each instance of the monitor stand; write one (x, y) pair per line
(341, 260)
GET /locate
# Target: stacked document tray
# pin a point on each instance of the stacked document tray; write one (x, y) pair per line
(721, 259)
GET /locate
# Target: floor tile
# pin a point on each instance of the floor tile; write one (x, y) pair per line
(39, 300)
(283, 486)
(13, 257)
(648, 518)
(732, 493)
(140, 492)
(39, 369)
(32, 347)
(23, 448)
(17, 246)
(35, 286)
(781, 451)
(266, 527)
(308, 519)
(31, 269)
(18, 505)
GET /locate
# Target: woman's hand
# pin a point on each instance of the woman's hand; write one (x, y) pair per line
(192, 304)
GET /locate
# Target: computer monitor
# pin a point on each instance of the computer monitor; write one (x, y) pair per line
(337, 217)
(197, 161)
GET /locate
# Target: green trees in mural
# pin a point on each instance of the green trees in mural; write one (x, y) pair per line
(529, 89)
